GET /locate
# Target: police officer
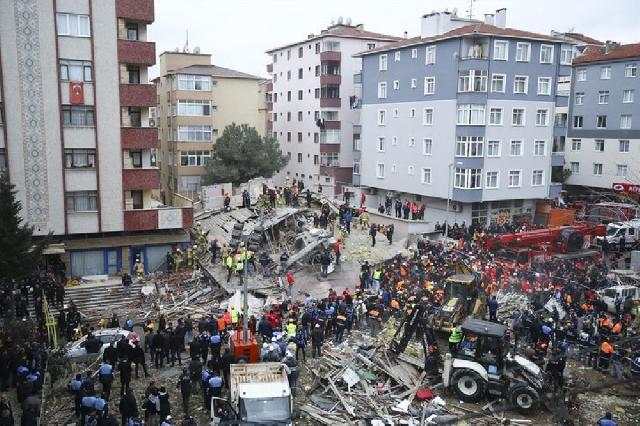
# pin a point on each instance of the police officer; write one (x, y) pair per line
(185, 386)
(204, 382)
(106, 378)
(75, 386)
(101, 405)
(292, 371)
(88, 403)
(215, 385)
(454, 340)
(215, 342)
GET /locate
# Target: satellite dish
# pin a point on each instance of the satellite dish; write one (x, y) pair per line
(348, 21)
(196, 49)
(340, 20)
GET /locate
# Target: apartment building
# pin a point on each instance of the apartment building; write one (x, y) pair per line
(76, 139)
(603, 144)
(196, 101)
(315, 104)
(462, 118)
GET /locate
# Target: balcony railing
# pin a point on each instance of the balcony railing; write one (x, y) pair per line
(139, 95)
(137, 10)
(330, 103)
(136, 52)
(330, 79)
(269, 67)
(158, 218)
(139, 137)
(140, 179)
(330, 56)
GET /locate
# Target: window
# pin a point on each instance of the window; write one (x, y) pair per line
(300, 52)
(537, 178)
(625, 121)
(194, 133)
(542, 117)
(575, 167)
(194, 82)
(430, 55)
(289, 96)
(427, 146)
(82, 201)
(75, 70)
(414, 53)
(517, 116)
(381, 144)
(467, 178)
(194, 108)
(631, 70)
(520, 84)
(581, 74)
(380, 170)
(491, 180)
(412, 141)
(382, 90)
(516, 149)
(539, 148)
(136, 159)
(523, 52)
(471, 114)
(576, 144)
(135, 117)
(299, 137)
(76, 115)
(577, 121)
(621, 170)
(382, 117)
(429, 85)
(498, 83)
(514, 178)
(371, 46)
(601, 121)
(396, 56)
(356, 165)
(288, 115)
(603, 97)
(566, 55)
(289, 75)
(627, 96)
(605, 73)
(288, 136)
(558, 144)
(73, 25)
(427, 116)
(472, 81)
(289, 54)
(79, 158)
(579, 98)
(410, 170)
(299, 115)
(193, 158)
(597, 169)
(396, 113)
(300, 73)
(3, 159)
(544, 85)
(412, 113)
(414, 83)
(501, 50)
(623, 146)
(300, 157)
(133, 72)
(132, 31)
(396, 84)
(495, 116)
(493, 148)
(394, 140)
(382, 62)
(469, 146)
(546, 53)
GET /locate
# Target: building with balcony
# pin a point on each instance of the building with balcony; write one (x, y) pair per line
(603, 141)
(314, 104)
(464, 113)
(196, 101)
(78, 143)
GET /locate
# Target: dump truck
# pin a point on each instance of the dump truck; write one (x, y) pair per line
(259, 394)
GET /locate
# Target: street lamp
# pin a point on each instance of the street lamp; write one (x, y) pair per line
(449, 195)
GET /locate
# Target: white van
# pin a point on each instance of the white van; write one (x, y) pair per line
(630, 230)
(608, 295)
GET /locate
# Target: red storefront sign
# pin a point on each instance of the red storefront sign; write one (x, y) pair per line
(76, 93)
(626, 188)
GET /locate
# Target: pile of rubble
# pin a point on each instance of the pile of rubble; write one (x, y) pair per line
(509, 302)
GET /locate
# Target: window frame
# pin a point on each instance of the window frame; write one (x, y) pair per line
(524, 116)
(516, 80)
(383, 62)
(486, 179)
(518, 45)
(505, 43)
(595, 167)
(71, 201)
(545, 115)
(427, 113)
(430, 54)
(574, 166)
(381, 144)
(533, 177)
(628, 99)
(549, 86)
(579, 96)
(512, 143)
(424, 172)
(504, 82)
(427, 143)
(581, 74)
(536, 144)
(491, 114)
(605, 75)
(551, 49)
(492, 143)
(603, 97)
(626, 119)
(70, 157)
(380, 167)
(429, 82)
(626, 144)
(511, 173)
(382, 117)
(633, 67)
(68, 24)
(382, 90)
(468, 110)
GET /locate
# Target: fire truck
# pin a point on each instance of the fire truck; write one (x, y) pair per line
(540, 245)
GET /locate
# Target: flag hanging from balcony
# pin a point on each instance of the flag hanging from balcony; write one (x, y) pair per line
(76, 93)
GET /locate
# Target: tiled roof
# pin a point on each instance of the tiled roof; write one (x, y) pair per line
(341, 31)
(474, 29)
(583, 38)
(215, 71)
(597, 54)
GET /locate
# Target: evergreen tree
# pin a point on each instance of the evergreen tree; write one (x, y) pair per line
(241, 154)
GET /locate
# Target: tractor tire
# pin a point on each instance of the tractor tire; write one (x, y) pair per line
(524, 398)
(468, 385)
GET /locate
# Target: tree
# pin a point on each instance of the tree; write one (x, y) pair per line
(241, 154)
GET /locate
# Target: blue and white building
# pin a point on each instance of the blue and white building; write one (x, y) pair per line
(466, 112)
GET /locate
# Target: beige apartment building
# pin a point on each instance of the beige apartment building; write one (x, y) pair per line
(196, 101)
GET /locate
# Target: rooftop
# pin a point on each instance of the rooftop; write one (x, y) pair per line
(599, 54)
(583, 38)
(215, 71)
(474, 29)
(340, 30)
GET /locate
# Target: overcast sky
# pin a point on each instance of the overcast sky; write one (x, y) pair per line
(237, 32)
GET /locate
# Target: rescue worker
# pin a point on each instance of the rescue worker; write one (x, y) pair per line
(190, 258)
(228, 262)
(341, 324)
(177, 260)
(291, 327)
(139, 268)
(454, 340)
(240, 267)
(216, 343)
(291, 367)
(75, 386)
(215, 385)
(616, 364)
(204, 383)
(106, 377)
(234, 317)
(606, 352)
(377, 275)
(185, 386)
(317, 337)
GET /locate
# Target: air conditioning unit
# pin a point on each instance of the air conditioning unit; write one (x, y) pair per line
(152, 122)
(456, 207)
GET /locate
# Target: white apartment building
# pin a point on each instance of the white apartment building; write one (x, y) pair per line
(315, 104)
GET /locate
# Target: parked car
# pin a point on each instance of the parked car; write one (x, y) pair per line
(77, 352)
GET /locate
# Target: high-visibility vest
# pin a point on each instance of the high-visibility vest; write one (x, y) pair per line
(455, 336)
(229, 262)
(227, 318)
(234, 315)
(376, 274)
(239, 265)
(606, 348)
(617, 328)
(395, 304)
(221, 324)
(291, 329)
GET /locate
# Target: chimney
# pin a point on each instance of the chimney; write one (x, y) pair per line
(435, 23)
(406, 34)
(610, 46)
(501, 18)
(489, 18)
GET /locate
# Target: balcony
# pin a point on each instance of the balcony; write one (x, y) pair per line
(330, 103)
(269, 106)
(330, 79)
(269, 67)
(332, 125)
(270, 86)
(158, 218)
(557, 159)
(357, 129)
(139, 179)
(139, 95)
(136, 52)
(329, 147)
(139, 137)
(330, 56)
(137, 10)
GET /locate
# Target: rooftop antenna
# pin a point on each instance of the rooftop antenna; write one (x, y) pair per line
(470, 11)
(185, 49)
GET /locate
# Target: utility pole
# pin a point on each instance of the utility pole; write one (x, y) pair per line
(470, 11)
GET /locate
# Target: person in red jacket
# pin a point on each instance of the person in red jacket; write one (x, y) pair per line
(290, 282)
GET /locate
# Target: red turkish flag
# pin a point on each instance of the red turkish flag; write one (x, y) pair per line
(76, 93)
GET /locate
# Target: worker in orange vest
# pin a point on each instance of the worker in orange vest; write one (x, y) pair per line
(222, 326)
(606, 351)
(227, 318)
(617, 328)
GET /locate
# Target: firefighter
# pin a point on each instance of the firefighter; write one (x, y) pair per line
(177, 260)
(454, 340)
(190, 257)
(138, 268)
